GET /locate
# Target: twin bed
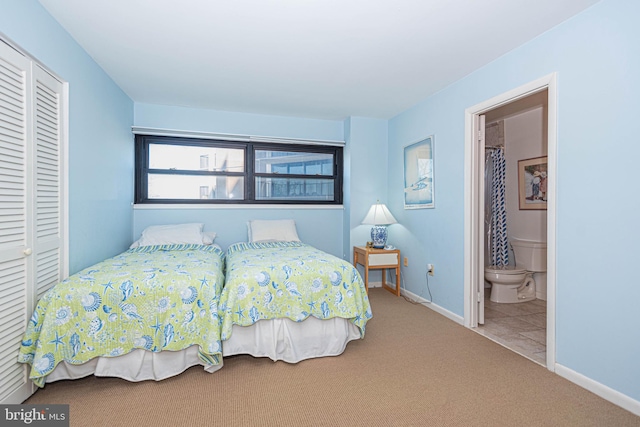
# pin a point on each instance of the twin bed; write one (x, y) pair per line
(175, 300)
(290, 301)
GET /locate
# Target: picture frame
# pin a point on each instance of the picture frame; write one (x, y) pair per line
(533, 176)
(419, 174)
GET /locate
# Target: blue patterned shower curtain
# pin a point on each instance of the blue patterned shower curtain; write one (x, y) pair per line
(499, 242)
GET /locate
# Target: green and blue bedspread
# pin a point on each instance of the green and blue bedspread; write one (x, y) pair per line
(154, 298)
(289, 280)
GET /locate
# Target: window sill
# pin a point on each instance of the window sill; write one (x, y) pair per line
(152, 206)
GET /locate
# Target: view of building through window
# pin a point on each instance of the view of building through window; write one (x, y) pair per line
(195, 158)
(293, 163)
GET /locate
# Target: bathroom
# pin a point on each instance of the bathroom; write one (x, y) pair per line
(517, 319)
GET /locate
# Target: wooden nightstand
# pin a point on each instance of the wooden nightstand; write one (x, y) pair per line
(374, 259)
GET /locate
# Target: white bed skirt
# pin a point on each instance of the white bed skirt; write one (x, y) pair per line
(284, 339)
(277, 339)
(138, 365)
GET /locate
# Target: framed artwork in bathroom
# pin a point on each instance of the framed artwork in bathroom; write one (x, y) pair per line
(532, 183)
(418, 174)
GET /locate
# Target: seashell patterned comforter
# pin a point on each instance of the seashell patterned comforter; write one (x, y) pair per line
(154, 298)
(289, 280)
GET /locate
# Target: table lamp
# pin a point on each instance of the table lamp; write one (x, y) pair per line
(379, 216)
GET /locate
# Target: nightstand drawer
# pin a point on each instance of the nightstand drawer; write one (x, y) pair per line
(383, 259)
(377, 259)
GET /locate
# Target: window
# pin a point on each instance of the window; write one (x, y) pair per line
(203, 171)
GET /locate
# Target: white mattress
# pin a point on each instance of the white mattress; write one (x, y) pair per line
(138, 365)
(284, 339)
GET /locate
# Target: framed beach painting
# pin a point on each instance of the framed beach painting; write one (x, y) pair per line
(532, 183)
(418, 174)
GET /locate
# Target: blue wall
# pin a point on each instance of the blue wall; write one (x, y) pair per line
(321, 227)
(596, 55)
(367, 143)
(100, 141)
(368, 183)
(195, 119)
(597, 59)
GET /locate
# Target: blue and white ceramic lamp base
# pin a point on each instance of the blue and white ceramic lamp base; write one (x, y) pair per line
(379, 236)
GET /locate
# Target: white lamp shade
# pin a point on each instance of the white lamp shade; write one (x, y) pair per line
(379, 215)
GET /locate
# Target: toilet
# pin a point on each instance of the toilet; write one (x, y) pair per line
(511, 284)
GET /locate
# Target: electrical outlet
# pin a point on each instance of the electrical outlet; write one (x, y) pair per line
(430, 269)
(406, 262)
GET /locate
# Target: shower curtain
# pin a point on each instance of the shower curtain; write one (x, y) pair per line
(496, 218)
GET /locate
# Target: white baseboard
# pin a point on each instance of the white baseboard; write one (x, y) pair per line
(599, 389)
(435, 307)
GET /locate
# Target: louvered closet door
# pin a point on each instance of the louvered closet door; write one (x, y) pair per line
(47, 181)
(15, 210)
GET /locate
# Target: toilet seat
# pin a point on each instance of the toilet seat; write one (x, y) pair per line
(508, 269)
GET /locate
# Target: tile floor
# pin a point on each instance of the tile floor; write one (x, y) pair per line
(521, 327)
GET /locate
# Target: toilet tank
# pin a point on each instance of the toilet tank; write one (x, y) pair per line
(530, 254)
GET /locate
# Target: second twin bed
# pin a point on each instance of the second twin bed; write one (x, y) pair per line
(290, 301)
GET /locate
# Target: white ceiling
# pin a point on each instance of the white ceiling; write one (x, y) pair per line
(326, 59)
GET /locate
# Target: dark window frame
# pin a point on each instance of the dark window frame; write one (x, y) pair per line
(142, 170)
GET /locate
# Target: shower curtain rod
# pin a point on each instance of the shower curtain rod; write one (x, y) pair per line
(493, 147)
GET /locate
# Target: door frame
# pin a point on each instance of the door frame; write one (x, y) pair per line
(473, 217)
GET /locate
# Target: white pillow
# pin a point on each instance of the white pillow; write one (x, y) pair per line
(174, 234)
(279, 230)
(208, 237)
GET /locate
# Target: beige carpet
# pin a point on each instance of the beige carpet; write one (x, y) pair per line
(414, 368)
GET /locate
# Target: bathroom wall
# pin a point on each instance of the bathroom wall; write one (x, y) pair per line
(525, 138)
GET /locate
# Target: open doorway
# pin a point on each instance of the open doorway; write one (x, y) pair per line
(515, 225)
(510, 145)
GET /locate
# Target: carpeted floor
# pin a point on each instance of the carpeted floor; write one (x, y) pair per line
(414, 368)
